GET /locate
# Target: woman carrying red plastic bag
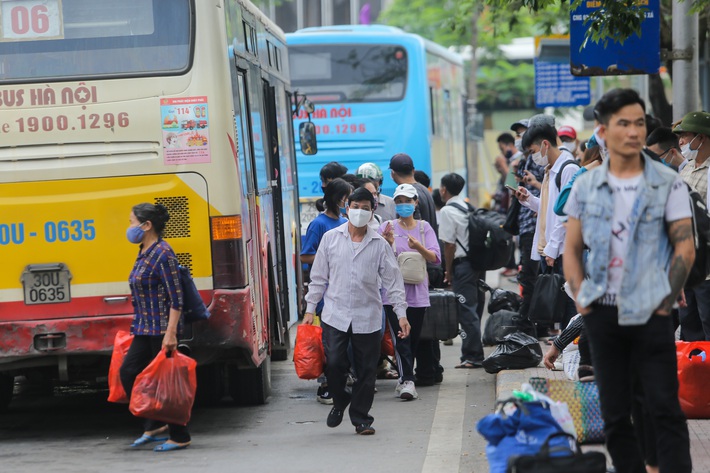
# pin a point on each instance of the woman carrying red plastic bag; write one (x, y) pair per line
(157, 300)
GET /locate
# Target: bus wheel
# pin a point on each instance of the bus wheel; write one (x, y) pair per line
(210, 384)
(7, 385)
(250, 386)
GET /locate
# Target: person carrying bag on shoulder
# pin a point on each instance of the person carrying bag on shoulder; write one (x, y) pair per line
(415, 243)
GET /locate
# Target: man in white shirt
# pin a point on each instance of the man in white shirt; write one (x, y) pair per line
(352, 311)
(453, 231)
(560, 167)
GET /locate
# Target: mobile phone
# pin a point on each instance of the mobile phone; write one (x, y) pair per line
(511, 188)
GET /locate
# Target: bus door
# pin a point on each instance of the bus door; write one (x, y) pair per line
(251, 220)
(271, 137)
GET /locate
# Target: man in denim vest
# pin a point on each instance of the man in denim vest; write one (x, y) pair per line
(634, 215)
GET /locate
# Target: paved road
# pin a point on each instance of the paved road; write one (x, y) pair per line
(77, 431)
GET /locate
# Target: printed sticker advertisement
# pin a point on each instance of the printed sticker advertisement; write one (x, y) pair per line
(185, 130)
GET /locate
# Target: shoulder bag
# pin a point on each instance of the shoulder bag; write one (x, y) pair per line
(412, 264)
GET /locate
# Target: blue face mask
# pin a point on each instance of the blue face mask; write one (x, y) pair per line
(343, 211)
(135, 234)
(405, 210)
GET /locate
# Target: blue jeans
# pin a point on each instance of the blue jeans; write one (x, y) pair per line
(470, 308)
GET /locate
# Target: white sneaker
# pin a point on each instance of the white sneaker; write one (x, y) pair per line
(408, 392)
(398, 389)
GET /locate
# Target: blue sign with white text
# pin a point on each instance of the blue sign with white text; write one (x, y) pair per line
(638, 55)
(556, 87)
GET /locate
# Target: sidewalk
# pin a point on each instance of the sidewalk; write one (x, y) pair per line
(509, 380)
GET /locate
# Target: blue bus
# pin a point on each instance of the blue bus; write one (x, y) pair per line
(378, 91)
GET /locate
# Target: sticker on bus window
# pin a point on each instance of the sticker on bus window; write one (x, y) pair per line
(185, 125)
(29, 20)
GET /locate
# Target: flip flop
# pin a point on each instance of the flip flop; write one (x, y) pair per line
(470, 365)
(146, 439)
(169, 447)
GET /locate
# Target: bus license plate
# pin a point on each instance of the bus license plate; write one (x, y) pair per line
(46, 284)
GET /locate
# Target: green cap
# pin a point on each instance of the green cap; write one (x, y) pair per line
(694, 122)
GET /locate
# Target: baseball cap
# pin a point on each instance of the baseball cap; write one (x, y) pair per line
(541, 119)
(524, 123)
(401, 162)
(567, 131)
(694, 122)
(406, 190)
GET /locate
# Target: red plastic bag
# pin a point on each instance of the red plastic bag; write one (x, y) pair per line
(694, 378)
(165, 390)
(121, 344)
(308, 354)
(387, 345)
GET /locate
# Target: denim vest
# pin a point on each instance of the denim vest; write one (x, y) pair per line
(645, 279)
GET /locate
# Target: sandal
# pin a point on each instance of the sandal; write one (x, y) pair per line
(468, 365)
(146, 439)
(169, 447)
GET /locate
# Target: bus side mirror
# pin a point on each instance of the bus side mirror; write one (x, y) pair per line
(307, 136)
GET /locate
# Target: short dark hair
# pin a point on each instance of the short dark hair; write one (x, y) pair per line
(332, 170)
(350, 179)
(453, 182)
(156, 214)
(506, 139)
(422, 178)
(360, 194)
(537, 133)
(652, 123)
(663, 137)
(335, 191)
(615, 100)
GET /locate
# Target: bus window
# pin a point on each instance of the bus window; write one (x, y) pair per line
(349, 72)
(80, 39)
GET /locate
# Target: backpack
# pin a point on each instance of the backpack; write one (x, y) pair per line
(558, 177)
(701, 235)
(489, 246)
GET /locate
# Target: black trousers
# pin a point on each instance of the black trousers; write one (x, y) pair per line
(405, 349)
(695, 319)
(142, 351)
(528, 271)
(623, 355)
(366, 354)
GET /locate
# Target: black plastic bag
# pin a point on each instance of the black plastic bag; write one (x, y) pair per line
(549, 299)
(518, 351)
(501, 299)
(505, 322)
(512, 217)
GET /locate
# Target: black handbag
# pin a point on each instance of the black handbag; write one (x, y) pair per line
(193, 307)
(512, 223)
(573, 461)
(548, 301)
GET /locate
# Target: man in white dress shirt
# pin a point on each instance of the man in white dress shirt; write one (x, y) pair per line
(352, 313)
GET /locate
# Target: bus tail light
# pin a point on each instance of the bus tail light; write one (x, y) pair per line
(227, 252)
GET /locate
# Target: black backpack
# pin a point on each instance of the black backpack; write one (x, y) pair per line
(489, 246)
(701, 234)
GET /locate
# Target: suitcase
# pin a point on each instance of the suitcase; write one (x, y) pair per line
(441, 321)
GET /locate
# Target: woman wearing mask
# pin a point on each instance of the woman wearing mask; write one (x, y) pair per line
(406, 235)
(157, 299)
(336, 194)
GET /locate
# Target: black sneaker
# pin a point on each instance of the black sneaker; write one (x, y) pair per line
(335, 417)
(323, 395)
(424, 381)
(364, 429)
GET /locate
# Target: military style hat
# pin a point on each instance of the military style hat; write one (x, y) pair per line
(694, 122)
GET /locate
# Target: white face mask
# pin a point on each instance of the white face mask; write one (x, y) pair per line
(539, 159)
(571, 146)
(359, 217)
(519, 144)
(687, 152)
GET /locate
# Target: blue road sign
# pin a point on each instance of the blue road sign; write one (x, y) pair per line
(556, 87)
(638, 55)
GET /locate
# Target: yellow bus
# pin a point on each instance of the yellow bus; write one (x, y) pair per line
(106, 104)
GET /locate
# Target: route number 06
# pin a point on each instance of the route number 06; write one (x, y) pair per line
(28, 19)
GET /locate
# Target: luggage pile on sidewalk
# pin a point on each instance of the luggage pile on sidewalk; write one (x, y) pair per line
(513, 335)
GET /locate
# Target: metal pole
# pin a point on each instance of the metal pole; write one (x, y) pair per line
(299, 14)
(686, 92)
(354, 12)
